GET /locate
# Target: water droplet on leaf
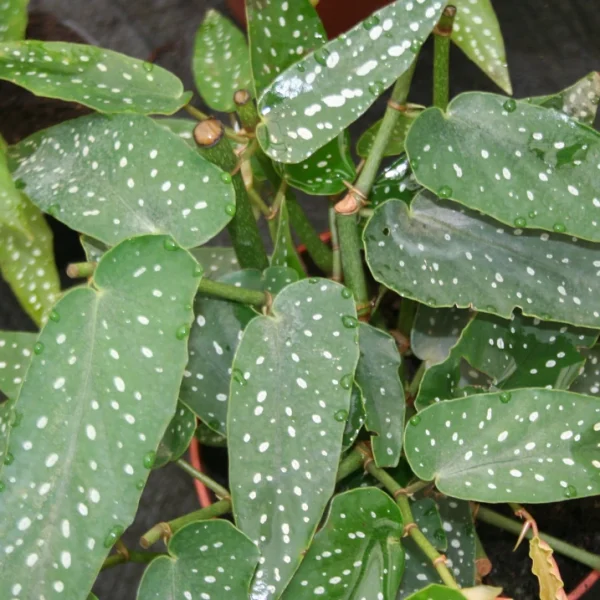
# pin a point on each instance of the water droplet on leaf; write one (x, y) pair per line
(230, 209)
(346, 293)
(321, 56)
(371, 22)
(445, 192)
(170, 245)
(313, 280)
(505, 397)
(182, 332)
(559, 227)
(346, 382)
(53, 210)
(376, 88)
(38, 348)
(510, 105)
(341, 416)
(54, 316)
(520, 222)
(9, 458)
(148, 66)
(140, 484)
(198, 271)
(349, 322)
(113, 536)
(415, 420)
(149, 459)
(570, 491)
(439, 535)
(17, 418)
(415, 47)
(238, 376)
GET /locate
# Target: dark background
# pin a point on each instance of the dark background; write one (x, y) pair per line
(550, 44)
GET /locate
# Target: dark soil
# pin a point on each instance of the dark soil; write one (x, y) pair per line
(550, 45)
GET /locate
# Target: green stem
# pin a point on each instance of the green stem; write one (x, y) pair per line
(394, 488)
(248, 244)
(232, 292)
(352, 263)
(219, 490)
(319, 251)
(399, 96)
(132, 556)
(166, 530)
(336, 268)
(352, 462)
(406, 316)
(246, 110)
(441, 58)
(413, 389)
(258, 202)
(82, 269)
(493, 518)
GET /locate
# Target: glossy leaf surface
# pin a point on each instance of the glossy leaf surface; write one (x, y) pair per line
(397, 182)
(457, 532)
(16, 350)
(27, 262)
(442, 256)
(104, 80)
(324, 173)
(357, 553)
(396, 144)
(579, 101)
(289, 401)
(177, 437)
(522, 352)
(355, 420)
(312, 102)
(276, 278)
(477, 33)
(378, 378)
(214, 338)
(435, 331)
(527, 445)
(207, 559)
(541, 173)
(216, 261)
(221, 62)
(588, 381)
(95, 404)
(13, 20)
(280, 33)
(125, 176)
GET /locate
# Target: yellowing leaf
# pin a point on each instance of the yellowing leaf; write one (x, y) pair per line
(481, 592)
(546, 570)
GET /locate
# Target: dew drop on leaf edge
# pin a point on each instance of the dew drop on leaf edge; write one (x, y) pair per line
(510, 105)
(9, 458)
(113, 536)
(520, 222)
(149, 459)
(445, 192)
(341, 416)
(346, 382)
(505, 397)
(182, 332)
(54, 316)
(230, 209)
(349, 322)
(170, 245)
(38, 348)
(415, 420)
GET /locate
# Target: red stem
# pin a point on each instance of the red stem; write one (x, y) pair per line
(196, 462)
(585, 585)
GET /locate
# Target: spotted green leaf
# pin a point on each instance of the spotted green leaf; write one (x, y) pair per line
(588, 381)
(527, 445)
(514, 354)
(542, 172)
(95, 404)
(94, 250)
(216, 261)
(427, 517)
(477, 33)
(221, 62)
(355, 420)
(276, 278)
(11, 204)
(324, 172)
(378, 377)
(27, 262)
(357, 553)
(207, 437)
(184, 128)
(289, 401)
(214, 338)
(7, 416)
(396, 144)
(396, 181)
(436, 592)
(284, 251)
(315, 100)
(104, 80)
(16, 348)
(125, 176)
(177, 437)
(280, 33)
(13, 20)
(207, 559)
(442, 256)
(435, 331)
(579, 101)
(457, 532)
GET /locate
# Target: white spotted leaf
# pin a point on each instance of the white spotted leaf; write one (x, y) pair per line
(395, 181)
(104, 80)
(288, 405)
(442, 256)
(221, 62)
(378, 378)
(325, 171)
(427, 516)
(458, 533)
(207, 559)
(528, 445)
(313, 101)
(541, 173)
(214, 338)
(27, 262)
(280, 33)
(284, 251)
(16, 350)
(124, 175)
(579, 101)
(183, 128)
(477, 33)
(7, 418)
(11, 203)
(95, 403)
(216, 261)
(355, 420)
(13, 20)
(276, 278)
(357, 553)
(588, 381)
(517, 353)
(177, 436)
(435, 331)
